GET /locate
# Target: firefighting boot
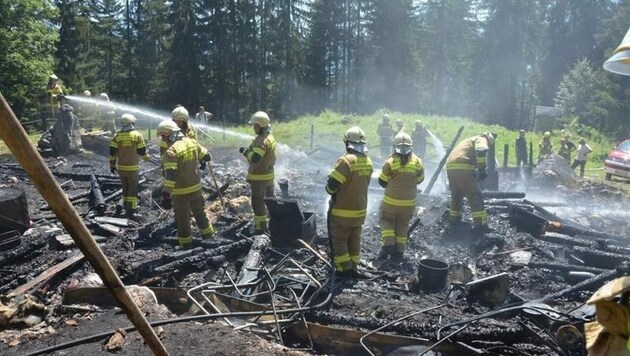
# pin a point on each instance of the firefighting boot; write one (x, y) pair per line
(210, 234)
(347, 274)
(386, 252)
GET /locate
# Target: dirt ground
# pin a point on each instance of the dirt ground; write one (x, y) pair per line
(142, 253)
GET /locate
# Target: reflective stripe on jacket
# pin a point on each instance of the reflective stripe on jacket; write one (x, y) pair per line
(126, 147)
(353, 172)
(468, 154)
(265, 146)
(181, 166)
(402, 180)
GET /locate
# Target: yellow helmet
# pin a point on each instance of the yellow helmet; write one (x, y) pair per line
(180, 113)
(354, 134)
(166, 127)
(104, 96)
(261, 118)
(127, 119)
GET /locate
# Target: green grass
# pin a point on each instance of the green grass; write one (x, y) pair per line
(34, 138)
(328, 129)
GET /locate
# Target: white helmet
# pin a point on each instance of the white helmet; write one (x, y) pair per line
(104, 96)
(180, 113)
(167, 127)
(489, 136)
(261, 118)
(127, 119)
(53, 77)
(402, 143)
(354, 138)
(87, 93)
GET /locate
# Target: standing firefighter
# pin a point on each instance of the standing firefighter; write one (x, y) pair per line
(400, 176)
(108, 115)
(180, 117)
(182, 160)
(348, 186)
(521, 148)
(464, 166)
(419, 137)
(125, 148)
(385, 134)
(261, 155)
(545, 146)
(53, 90)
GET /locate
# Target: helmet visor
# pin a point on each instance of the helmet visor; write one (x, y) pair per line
(358, 146)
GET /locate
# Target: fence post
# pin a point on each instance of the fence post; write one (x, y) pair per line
(223, 120)
(506, 153)
(312, 134)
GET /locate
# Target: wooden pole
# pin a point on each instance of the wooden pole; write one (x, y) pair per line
(17, 140)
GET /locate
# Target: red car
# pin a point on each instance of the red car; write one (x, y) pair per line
(618, 161)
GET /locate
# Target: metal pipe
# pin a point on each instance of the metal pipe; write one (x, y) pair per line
(443, 161)
(18, 142)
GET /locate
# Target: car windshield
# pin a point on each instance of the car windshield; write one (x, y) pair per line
(624, 146)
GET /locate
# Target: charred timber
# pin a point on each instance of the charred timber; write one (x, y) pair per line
(572, 230)
(223, 253)
(501, 195)
(601, 259)
(254, 258)
(567, 268)
(28, 245)
(589, 284)
(98, 200)
(562, 239)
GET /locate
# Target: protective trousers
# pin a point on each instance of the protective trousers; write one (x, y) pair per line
(463, 183)
(129, 182)
(183, 206)
(386, 143)
(394, 224)
(346, 242)
(260, 190)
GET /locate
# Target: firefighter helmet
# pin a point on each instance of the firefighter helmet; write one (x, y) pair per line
(104, 96)
(87, 93)
(489, 136)
(399, 122)
(402, 143)
(419, 123)
(53, 77)
(180, 113)
(386, 118)
(547, 134)
(166, 127)
(354, 138)
(127, 119)
(261, 118)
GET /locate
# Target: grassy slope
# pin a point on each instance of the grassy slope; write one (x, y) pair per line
(329, 128)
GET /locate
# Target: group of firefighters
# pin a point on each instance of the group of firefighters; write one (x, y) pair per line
(565, 149)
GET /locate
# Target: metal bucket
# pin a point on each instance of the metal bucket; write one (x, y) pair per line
(432, 275)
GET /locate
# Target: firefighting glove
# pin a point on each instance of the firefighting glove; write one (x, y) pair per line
(482, 174)
(202, 165)
(167, 203)
(112, 168)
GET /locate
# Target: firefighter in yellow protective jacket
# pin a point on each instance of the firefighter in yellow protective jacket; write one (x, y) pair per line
(261, 155)
(53, 90)
(180, 117)
(400, 176)
(385, 133)
(348, 186)
(126, 147)
(464, 167)
(182, 187)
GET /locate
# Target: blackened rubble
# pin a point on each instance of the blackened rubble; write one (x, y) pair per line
(554, 248)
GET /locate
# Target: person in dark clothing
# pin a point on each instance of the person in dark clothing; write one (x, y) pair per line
(521, 148)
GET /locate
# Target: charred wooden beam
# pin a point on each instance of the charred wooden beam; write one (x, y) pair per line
(98, 200)
(213, 257)
(253, 260)
(28, 245)
(49, 273)
(589, 284)
(567, 268)
(528, 221)
(601, 259)
(562, 239)
(486, 194)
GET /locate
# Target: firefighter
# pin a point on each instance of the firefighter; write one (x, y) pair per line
(385, 133)
(545, 146)
(564, 151)
(419, 137)
(180, 116)
(124, 149)
(400, 176)
(464, 167)
(182, 187)
(108, 115)
(53, 90)
(520, 146)
(261, 155)
(348, 186)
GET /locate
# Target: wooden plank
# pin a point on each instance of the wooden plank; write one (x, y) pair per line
(49, 273)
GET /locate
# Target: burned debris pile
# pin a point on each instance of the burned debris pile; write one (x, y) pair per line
(520, 289)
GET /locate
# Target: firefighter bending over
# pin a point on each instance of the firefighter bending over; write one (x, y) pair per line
(125, 148)
(400, 176)
(464, 167)
(261, 155)
(182, 187)
(348, 186)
